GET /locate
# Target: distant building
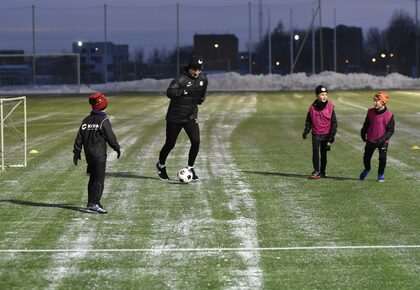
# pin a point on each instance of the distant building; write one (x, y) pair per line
(92, 65)
(220, 51)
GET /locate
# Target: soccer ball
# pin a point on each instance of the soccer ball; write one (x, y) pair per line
(185, 175)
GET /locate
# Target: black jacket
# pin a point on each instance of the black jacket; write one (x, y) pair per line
(94, 133)
(185, 93)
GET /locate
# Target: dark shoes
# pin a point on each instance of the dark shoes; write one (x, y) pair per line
(96, 208)
(162, 172)
(195, 177)
(364, 174)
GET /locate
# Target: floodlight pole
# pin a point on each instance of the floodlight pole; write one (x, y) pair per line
(321, 50)
(335, 44)
(269, 43)
(417, 44)
(249, 39)
(313, 43)
(33, 45)
(291, 42)
(177, 40)
(105, 48)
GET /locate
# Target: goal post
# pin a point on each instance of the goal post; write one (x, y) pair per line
(13, 132)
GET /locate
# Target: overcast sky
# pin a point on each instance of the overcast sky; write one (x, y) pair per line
(146, 24)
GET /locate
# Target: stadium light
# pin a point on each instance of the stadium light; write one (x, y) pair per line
(80, 43)
(277, 63)
(373, 59)
(296, 37)
(383, 55)
(216, 45)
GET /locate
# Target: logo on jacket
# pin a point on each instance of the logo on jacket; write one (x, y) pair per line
(90, 126)
(189, 84)
(201, 83)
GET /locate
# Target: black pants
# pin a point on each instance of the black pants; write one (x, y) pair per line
(319, 146)
(172, 131)
(367, 156)
(96, 181)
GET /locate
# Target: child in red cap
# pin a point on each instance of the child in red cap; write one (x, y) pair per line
(322, 121)
(376, 131)
(94, 133)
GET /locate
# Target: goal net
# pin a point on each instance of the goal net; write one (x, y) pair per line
(13, 132)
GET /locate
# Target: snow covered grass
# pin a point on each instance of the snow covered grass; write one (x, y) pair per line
(253, 195)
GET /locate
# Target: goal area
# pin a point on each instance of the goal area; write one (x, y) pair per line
(13, 132)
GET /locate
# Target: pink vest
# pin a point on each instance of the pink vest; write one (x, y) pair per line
(321, 120)
(377, 126)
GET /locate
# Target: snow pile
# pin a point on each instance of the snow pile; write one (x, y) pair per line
(235, 82)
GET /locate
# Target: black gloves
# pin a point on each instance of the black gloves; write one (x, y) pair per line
(76, 157)
(363, 135)
(118, 153)
(304, 135)
(331, 140)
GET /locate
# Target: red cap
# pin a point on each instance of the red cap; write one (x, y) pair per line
(98, 101)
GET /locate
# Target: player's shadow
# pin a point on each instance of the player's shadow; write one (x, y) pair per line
(44, 204)
(304, 176)
(129, 175)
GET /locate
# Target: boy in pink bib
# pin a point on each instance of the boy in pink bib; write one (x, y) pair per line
(376, 131)
(322, 121)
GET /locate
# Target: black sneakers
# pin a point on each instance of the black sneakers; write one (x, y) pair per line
(162, 172)
(195, 177)
(96, 208)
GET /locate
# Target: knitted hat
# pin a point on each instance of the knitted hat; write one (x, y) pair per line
(196, 62)
(320, 89)
(98, 101)
(382, 96)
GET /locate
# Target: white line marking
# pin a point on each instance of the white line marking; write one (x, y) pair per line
(212, 249)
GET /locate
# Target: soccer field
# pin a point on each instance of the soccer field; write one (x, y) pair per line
(253, 221)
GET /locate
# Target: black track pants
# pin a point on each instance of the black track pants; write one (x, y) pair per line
(96, 181)
(172, 131)
(367, 156)
(319, 146)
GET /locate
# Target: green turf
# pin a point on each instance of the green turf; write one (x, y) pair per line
(253, 195)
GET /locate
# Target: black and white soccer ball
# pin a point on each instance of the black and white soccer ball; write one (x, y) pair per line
(185, 175)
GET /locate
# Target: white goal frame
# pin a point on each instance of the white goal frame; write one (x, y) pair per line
(20, 100)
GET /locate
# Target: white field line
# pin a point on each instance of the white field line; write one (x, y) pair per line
(168, 250)
(241, 203)
(62, 262)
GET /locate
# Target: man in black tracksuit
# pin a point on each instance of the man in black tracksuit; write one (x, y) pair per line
(186, 92)
(94, 133)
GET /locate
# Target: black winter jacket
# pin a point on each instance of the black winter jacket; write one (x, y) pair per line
(185, 93)
(94, 133)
